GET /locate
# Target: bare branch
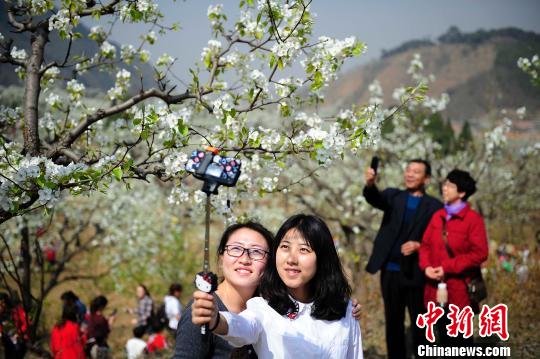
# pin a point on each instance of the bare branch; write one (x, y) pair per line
(102, 10)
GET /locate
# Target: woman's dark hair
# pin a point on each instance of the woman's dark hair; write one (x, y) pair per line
(463, 181)
(329, 287)
(69, 312)
(69, 296)
(146, 291)
(175, 287)
(98, 303)
(254, 226)
(4, 297)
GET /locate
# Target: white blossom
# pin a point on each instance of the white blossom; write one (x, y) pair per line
(164, 60)
(107, 50)
(53, 100)
(175, 163)
(260, 79)
(521, 112)
(63, 21)
(127, 52)
(18, 54)
(75, 90)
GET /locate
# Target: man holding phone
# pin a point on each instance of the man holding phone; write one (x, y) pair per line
(395, 250)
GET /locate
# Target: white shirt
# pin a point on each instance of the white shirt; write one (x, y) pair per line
(173, 310)
(276, 336)
(135, 348)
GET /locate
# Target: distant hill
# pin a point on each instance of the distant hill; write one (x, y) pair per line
(478, 70)
(56, 50)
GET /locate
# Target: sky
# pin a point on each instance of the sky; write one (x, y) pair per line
(381, 24)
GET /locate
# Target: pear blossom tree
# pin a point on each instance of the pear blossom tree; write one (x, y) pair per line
(60, 146)
(59, 141)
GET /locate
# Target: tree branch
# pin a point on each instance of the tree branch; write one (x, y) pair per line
(100, 114)
(102, 10)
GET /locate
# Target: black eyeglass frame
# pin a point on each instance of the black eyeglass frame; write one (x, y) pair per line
(249, 252)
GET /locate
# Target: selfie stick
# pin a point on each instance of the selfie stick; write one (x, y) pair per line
(206, 281)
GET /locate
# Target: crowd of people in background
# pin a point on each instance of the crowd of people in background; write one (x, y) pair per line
(422, 242)
(13, 326)
(82, 333)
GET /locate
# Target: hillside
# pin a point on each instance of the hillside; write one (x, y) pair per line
(56, 50)
(477, 70)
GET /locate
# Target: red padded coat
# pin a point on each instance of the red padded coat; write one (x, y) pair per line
(467, 239)
(66, 341)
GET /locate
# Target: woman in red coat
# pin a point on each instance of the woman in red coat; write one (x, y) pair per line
(466, 237)
(66, 341)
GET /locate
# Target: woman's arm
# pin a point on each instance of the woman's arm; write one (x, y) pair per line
(238, 329)
(355, 350)
(189, 341)
(425, 247)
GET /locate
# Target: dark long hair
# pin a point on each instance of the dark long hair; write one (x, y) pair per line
(69, 313)
(98, 303)
(330, 288)
(146, 291)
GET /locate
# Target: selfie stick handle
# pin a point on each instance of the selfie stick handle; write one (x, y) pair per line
(204, 327)
(207, 236)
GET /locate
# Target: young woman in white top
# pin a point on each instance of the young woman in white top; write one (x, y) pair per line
(305, 309)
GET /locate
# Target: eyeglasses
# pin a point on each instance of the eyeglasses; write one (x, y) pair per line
(253, 253)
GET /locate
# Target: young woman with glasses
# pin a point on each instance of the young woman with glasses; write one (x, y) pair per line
(305, 310)
(242, 257)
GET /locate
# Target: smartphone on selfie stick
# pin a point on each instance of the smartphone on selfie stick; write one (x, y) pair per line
(374, 163)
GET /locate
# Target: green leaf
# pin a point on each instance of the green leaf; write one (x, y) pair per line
(145, 134)
(317, 81)
(169, 143)
(127, 165)
(40, 181)
(117, 172)
(183, 129)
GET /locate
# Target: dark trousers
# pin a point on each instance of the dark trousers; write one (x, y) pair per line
(396, 298)
(444, 340)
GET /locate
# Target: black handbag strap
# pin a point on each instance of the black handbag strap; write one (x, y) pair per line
(445, 239)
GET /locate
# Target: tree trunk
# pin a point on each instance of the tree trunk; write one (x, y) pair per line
(26, 264)
(32, 91)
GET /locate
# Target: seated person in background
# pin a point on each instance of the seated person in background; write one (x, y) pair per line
(156, 341)
(136, 346)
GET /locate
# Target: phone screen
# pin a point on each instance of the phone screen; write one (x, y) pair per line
(374, 163)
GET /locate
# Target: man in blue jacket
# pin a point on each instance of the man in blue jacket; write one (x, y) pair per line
(395, 250)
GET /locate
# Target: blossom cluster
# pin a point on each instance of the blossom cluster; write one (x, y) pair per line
(531, 67)
(121, 85)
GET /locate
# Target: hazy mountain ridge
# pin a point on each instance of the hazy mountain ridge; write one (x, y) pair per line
(478, 70)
